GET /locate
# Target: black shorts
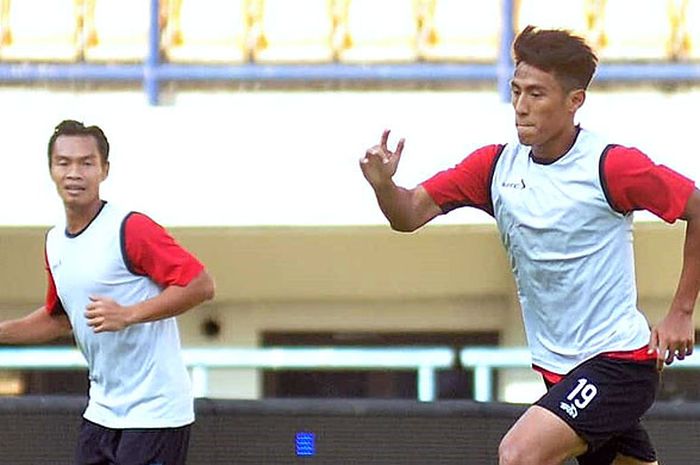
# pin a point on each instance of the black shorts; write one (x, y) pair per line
(602, 400)
(98, 445)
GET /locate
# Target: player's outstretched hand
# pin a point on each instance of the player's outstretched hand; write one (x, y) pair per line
(673, 338)
(105, 314)
(379, 163)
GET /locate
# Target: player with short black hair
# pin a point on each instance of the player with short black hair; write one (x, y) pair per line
(563, 199)
(116, 281)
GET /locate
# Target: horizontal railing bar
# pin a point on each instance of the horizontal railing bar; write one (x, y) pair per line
(268, 357)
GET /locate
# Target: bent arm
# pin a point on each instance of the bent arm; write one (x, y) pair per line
(36, 328)
(674, 337)
(689, 282)
(406, 209)
(174, 300)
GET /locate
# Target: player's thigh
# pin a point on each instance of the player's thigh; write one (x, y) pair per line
(96, 444)
(626, 460)
(167, 446)
(539, 437)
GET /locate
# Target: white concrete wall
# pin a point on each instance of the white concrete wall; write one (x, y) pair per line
(275, 157)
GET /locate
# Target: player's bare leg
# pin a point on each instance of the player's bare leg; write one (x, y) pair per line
(539, 437)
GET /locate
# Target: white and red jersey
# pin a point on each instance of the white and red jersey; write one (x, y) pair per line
(137, 375)
(567, 228)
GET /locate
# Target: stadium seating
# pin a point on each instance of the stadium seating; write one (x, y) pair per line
(40, 30)
(208, 31)
(688, 45)
(378, 31)
(308, 38)
(460, 30)
(116, 30)
(572, 15)
(636, 30)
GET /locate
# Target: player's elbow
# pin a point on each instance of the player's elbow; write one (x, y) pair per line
(407, 222)
(209, 289)
(403, 226)
(206, 287)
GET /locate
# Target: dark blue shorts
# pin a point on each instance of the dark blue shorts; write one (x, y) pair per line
(98, 445)
(603, 400)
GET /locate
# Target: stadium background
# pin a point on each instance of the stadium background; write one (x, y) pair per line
(259, 177)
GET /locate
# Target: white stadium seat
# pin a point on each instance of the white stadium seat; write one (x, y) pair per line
(40, 30)
(208, 31)
(297, 31)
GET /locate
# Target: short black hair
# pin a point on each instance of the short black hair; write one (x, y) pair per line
(556, 51)
(71, 127)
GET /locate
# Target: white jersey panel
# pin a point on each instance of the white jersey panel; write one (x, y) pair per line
(571, 255)
(137, 375)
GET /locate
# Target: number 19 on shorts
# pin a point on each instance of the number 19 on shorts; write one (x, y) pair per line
(583, 393)
(580, 396)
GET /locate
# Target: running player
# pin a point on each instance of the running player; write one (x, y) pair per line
(563, 199)
(116, 280)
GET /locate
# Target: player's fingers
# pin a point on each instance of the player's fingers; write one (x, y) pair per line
(653, 342)
(399, 147)
(385, 139)
(670, 354)
(374, 151)
(678, 353)
(684, 351)
(661, 352)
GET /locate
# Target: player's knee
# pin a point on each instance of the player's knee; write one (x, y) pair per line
(513, 452)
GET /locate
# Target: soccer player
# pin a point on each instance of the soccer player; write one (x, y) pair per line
(116, 280)
(563, 199)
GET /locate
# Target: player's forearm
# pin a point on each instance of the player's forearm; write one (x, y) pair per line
(397, 205)
(689, 282)
(174, 300)
(36, 328)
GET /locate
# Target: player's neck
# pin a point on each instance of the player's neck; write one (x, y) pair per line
(79, 216)
(557, 147)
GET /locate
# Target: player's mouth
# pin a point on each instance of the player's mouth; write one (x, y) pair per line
(74, 190)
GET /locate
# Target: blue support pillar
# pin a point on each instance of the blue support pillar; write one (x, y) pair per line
(150, 70)
(505, 62)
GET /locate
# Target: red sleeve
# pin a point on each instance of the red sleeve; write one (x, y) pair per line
(633, 182)
(468, 183)
(150, 251)
(52, 303)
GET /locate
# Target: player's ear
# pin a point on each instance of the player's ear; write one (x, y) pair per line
(105, 170)
(576, 99)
